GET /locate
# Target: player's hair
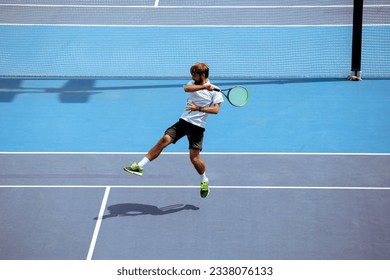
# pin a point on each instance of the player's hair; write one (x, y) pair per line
(200, 68)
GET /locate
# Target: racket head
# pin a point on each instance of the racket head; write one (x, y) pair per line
(238, 96)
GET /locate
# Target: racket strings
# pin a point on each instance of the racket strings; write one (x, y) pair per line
(238, 96)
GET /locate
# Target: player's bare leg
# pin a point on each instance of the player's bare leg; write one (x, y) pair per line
(137, 168)
(200, 167)
(159, 147)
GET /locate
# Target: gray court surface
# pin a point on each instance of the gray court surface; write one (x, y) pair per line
(329, 12)
(140, 16)
(175, 169)
(285, 206)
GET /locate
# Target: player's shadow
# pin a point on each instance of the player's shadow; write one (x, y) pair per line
(136, 209)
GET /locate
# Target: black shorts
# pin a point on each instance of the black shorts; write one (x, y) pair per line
(194, 133)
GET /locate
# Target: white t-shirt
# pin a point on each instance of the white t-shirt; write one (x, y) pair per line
(202, 98)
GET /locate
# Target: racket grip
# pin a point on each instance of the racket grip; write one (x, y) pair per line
(214, 89)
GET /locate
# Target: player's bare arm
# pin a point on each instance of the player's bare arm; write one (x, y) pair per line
(209, 110)
(193, 88)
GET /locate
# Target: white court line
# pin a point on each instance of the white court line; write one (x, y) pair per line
(98, 224)
(195, 187)
(203, 153)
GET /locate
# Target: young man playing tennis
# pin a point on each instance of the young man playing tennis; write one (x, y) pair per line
(201, 102)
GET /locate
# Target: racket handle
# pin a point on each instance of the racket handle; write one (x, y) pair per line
(214, 89)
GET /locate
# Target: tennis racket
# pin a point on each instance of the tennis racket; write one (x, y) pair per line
(237, 96)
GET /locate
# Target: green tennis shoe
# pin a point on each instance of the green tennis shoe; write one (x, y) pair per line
(134, 168)
(204, 189)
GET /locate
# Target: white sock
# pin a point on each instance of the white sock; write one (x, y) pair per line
(203, 178)
(143, 162)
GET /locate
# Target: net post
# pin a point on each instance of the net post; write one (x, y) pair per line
(357, 31)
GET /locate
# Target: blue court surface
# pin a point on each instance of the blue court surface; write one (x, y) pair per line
(300, 173)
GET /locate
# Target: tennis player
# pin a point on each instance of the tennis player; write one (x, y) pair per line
(201, 102)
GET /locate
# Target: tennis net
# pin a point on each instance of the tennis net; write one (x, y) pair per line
(114, 39)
